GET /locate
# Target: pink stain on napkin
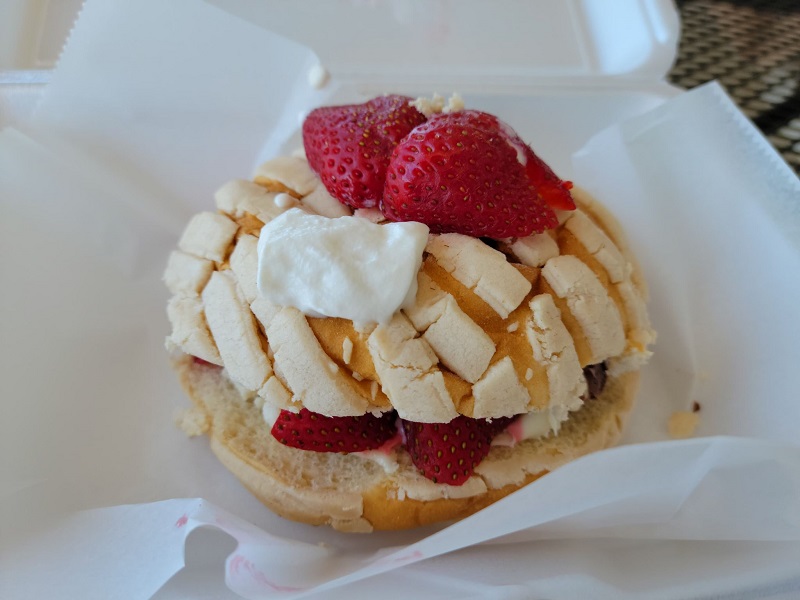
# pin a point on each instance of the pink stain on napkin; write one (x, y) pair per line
(239, 563)
(408, 557)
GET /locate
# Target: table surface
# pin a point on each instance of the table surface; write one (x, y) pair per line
(752, 47)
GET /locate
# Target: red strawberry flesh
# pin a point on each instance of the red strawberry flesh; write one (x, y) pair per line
(449, 452)
(308, 430)
(203, 363)
(551, 189)
(349, 146)
(468, 172)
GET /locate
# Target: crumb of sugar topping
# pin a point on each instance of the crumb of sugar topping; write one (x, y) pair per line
(284, 200)
(347, 350)
(454, 103)
(436, 104)
(682, 424)
(370, 214)
(193, 421)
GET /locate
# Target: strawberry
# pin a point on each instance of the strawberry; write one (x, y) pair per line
(468, 172)
(349, 146)
(552, 190)
(312, 431)
(203, 363)
(449, 452)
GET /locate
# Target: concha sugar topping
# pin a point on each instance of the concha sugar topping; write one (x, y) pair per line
(494, 330)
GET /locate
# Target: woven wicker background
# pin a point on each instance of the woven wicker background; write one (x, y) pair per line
(752, 47)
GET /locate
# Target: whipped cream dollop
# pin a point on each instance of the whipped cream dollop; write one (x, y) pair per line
(529, 426)
(347, 267)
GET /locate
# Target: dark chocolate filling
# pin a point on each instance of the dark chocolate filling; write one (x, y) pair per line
(491, 242)
(595, 380)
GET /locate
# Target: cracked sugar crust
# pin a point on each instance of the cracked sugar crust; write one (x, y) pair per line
(208, 235)
(460, 343)
(482, 269)
(590, 304)
(306, 369)
(480, 339)
(553, 346)
(407, 369)
(235, 332)
(187, 274)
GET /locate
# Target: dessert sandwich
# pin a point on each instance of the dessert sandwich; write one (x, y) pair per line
(405, 323)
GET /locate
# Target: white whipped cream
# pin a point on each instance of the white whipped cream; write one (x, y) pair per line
(535, 424)
(346, 267)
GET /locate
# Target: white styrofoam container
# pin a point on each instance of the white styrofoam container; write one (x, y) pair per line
(616, 53)
(558, 70)
(504, 46)
(506, 42)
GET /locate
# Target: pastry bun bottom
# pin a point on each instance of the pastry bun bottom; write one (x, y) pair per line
(353, 493)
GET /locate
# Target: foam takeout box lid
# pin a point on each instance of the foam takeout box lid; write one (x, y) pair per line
(503, 45)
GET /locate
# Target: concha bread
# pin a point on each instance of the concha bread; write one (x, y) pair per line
(476, 342)
(357, 494)
(533, 313)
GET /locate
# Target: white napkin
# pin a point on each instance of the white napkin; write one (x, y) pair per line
(94, 194)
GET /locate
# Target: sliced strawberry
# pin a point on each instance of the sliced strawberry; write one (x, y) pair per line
(552, 190)
(203, 363)
(312, 431)
(349, 146)
(449, 452)
(468, 172)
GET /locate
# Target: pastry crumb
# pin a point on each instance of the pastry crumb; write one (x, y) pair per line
(682, 424)
(455, 103)
(193, 421)
(437, 104)
(347, 350)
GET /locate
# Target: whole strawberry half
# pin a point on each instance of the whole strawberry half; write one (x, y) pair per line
(349, 146)
(449, 452)
(468, 172)
(312, 431)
